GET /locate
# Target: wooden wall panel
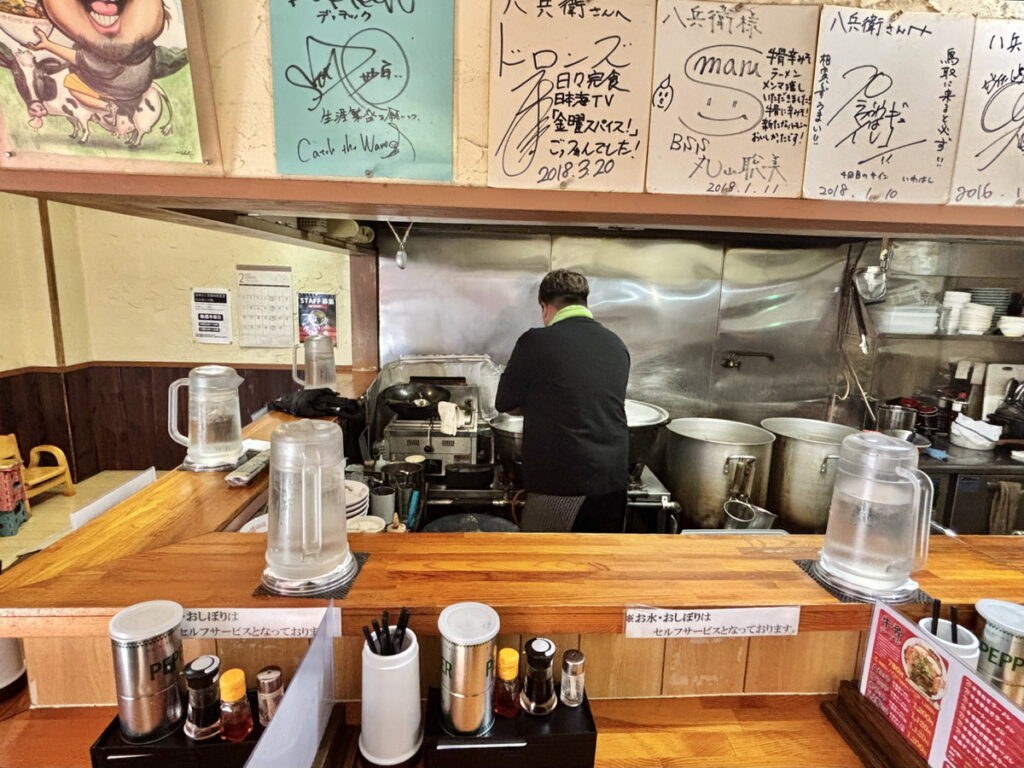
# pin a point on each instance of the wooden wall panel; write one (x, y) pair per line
(703, 667)
(70, 671)
(621, 668)
(811, 662)
(118, 414)
(253, 655)
(32, 407)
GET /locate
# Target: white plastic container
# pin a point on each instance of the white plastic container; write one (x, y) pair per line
(392, 724)
(967, 647)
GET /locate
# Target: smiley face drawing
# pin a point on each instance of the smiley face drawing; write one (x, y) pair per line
(718, 78)
(663, 94)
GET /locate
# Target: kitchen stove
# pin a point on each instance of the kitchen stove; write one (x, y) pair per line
(422, 437)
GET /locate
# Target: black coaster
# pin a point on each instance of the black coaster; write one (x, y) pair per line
(249, 454)
(807, 566)
(338, 593)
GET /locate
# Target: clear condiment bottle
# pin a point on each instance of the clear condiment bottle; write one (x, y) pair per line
(235, 714)
(506, 684)
(538, 696)
(573, 671)
(269, 692)
(203, 718)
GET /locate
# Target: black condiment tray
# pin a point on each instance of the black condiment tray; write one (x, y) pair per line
(175, 750)
(567, 738)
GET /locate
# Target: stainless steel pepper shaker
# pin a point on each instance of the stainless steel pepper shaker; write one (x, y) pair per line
(573, 672)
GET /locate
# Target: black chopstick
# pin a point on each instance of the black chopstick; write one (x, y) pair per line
(952, 621)
(389, 647)
(380, 638)
(369, 640)
(936, 610)
(403, 623)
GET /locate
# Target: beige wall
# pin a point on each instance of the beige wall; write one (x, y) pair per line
(26, 329)
(239, 48)
(124, 285)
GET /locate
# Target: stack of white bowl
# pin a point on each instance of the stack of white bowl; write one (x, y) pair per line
(976, 319)
(1011, 326)
(997, 298)
(357, 499)
(956, 301)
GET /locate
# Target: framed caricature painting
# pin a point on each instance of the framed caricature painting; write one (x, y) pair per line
(106, 85)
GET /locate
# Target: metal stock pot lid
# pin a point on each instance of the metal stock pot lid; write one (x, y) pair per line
(640, 414)
(469, 623)
(143, 621)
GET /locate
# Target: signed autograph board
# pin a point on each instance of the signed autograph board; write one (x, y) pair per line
(888, 96)
(731, 101)
(990, 160)
(570, 82)
(363, 88)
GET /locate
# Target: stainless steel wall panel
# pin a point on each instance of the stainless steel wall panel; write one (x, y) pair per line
(460, 294)
(784, 303)
(661, 297)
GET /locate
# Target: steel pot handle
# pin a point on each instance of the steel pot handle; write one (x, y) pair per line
(825, 461)
(740, 470)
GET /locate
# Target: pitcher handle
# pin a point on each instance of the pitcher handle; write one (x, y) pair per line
(295, 365)
(740, 470)
(923, 490)
(825, 461)
(172, 412)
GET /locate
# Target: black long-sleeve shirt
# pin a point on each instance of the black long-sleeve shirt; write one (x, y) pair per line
(569, 381)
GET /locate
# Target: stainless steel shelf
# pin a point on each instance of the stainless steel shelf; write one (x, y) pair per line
(955, 337)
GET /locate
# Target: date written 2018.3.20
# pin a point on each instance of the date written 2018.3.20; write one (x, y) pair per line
(580, 170)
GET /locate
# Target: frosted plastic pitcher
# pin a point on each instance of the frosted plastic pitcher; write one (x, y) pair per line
(880, 519)
(318, 364)
(214, 418)
(307, 539)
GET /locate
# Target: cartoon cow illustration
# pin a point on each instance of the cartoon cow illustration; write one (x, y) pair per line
(112, 64)
(42, 84)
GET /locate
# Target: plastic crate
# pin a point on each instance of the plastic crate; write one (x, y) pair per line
(12, 520)
(11, 489)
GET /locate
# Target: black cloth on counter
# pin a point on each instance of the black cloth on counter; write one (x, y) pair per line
(569, 382)
(317, 403)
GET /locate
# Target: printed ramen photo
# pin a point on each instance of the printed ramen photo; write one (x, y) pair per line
(924, 669)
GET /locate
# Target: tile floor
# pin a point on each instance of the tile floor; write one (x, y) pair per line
(50, 517)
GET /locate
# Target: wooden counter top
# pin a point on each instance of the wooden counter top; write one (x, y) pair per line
(722, 731)
(554, 583)
(178, 506)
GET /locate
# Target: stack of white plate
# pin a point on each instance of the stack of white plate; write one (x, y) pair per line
(1011, 326)
(997, 298)
(976, 319)
(357, 499)
(908, 318)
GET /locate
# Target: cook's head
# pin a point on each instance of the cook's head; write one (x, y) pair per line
(559, 289)
(112, 29)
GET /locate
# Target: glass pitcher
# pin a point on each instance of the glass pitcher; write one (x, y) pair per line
(318, 365)
(214, 417)
(880, 518)
(307, 538)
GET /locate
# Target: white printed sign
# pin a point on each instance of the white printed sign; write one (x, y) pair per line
(990, 158)
(888, 96)
(253, 623)
(569, 87)
(731, 99)
(708, 623)
(211, 315)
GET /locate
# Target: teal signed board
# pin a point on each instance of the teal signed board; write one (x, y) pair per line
(363, 88)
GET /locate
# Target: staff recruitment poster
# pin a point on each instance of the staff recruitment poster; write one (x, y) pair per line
(363, 89)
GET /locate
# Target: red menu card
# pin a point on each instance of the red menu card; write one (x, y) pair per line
(949, 715)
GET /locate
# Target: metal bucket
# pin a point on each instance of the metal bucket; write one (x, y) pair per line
(508, 441)
(646, 437)
(713, 460)
(804, 460)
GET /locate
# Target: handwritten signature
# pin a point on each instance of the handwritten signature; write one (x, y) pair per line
(1003, 114)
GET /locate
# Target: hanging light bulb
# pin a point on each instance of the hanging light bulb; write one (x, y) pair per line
(401, 258)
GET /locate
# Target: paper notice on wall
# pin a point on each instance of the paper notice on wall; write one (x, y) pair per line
(318, 315)
(712, 623)
(888, 97)
(254, 623)
(731, 98)
(265, 306)
(990, 159)
(570, 83)
(211, 315)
